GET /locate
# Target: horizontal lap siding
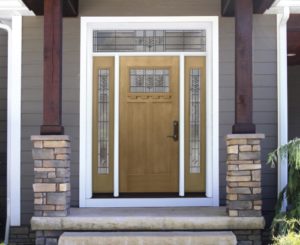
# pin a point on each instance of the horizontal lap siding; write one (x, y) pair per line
(264, 94)
(32, 106)
(294, 101)
(264, 80)
(3, 126)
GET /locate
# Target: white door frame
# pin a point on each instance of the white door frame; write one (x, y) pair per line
(88, 24)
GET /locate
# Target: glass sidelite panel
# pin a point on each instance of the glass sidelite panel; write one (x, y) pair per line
(149, 41)
(149, 81)
(103, 121)
(195, 112)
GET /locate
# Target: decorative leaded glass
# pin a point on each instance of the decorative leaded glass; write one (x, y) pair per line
(149, 41)
(195, 112)
(103, 121)
(149, 80)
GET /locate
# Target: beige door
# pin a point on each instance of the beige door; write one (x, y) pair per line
(149, 146)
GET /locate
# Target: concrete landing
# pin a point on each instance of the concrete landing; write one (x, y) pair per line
(147, 238)
(147, 219)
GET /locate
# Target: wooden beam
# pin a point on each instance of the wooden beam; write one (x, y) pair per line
(243, 67)
(52, 118)
(70, 7)
(259, 7)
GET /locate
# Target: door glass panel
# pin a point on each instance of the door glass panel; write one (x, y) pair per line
(149, 80)
(195, 115)
(103, 121)
(149, 41)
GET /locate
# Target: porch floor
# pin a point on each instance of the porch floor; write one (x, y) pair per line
(147, 219)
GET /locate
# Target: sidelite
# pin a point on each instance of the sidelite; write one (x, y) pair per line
(148, 108)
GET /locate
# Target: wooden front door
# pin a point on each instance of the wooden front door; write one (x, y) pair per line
(149, 143)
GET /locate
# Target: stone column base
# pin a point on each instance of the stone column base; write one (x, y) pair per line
(51, 155)
(244, 175)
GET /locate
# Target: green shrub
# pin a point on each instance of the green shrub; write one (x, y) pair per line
(292, 190)
(291, 238)
(286, 223)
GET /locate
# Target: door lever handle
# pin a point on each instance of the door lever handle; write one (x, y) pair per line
(175, 135)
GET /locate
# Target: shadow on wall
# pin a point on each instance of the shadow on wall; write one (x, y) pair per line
(3, 129)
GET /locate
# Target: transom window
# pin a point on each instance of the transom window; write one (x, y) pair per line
(149, 41)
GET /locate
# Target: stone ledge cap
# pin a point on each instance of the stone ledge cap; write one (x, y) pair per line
(245, 136)
(50, 137)
(70, 223)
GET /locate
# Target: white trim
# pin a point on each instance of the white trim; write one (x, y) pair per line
(279, 5)
(9, 139)
(213, 74)
(282, 90)
(9, 8)
(151, 54)
(149, 202)
(14, 119)
(83, 115)
(14, 52)
(181, 125)
(163, 23)
(116, 127)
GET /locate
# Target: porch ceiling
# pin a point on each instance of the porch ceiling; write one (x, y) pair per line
(70, 7)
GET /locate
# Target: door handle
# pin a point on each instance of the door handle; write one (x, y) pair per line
(175, 135)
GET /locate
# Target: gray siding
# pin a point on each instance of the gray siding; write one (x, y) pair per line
(294, 101)
(3, 126)
(264, 81)
(264, 93)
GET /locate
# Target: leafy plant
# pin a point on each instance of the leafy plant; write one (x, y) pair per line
(291, 238)
(286, 222)
(290, 228)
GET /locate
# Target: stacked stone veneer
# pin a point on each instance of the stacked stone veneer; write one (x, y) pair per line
(51, 155)
(244, 175)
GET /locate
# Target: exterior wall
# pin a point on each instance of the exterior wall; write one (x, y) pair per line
(264, 95)
(294, 101)
(3, 127)
(264, 82)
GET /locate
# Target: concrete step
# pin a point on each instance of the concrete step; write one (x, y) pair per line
(148, 238)
(148, 219)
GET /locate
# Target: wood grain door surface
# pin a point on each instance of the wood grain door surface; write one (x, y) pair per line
(149, 159)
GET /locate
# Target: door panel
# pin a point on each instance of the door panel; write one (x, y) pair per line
(148, 106)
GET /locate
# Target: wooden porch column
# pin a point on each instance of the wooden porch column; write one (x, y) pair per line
(52, 118)
(243, 67)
